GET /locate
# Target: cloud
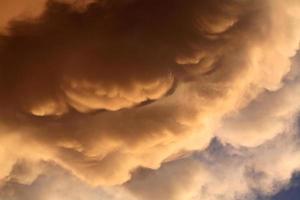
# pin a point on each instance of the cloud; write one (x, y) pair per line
(16, 9)
(55, 183)
(222, 172)
(271, 113)
(110, 87)
(256, 154)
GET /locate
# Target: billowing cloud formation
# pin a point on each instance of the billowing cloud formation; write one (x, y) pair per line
(222, 172)
(265, 154)
(53, 183)
(121, 92)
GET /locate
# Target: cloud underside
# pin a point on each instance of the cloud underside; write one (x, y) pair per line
(140, 100)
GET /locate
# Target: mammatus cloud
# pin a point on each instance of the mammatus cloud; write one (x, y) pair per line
(126, 95)
(260, 160)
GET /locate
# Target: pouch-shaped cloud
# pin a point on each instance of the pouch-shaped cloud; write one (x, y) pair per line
(76, 84)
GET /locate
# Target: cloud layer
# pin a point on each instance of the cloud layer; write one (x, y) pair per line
(124, 92)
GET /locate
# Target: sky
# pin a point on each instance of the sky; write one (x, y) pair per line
(291, 193)
(149, 99)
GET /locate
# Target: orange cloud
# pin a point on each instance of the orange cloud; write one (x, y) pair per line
(119, 85)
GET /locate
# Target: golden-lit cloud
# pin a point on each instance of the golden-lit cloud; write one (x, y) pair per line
(120, 94)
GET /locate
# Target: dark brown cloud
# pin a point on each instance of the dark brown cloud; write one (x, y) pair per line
(112, 55)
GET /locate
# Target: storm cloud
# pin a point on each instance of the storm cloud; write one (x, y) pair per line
(122, 93)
